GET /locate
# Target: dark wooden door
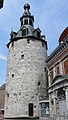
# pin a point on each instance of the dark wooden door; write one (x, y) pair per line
(30, 109)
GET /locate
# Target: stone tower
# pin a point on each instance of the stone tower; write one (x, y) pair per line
(26, 82)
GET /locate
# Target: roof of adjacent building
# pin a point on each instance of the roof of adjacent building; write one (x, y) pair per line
(61, 47)
(2, 87)
(63, 35)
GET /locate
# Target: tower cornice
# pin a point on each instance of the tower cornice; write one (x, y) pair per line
(28, 37)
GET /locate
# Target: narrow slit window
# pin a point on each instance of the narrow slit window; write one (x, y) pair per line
(12, 44)
(42, 44)
(38, 83)
(28, 41)
(45, 69)
(22, 56)
(7, 94)
(12, 75)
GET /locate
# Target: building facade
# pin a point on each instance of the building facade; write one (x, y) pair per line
(26, 82)
(58, 78)
(2, 100)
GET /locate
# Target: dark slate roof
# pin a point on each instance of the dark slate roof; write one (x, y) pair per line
(2, 87)
(63, 35)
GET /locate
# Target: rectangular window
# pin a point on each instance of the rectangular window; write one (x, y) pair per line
(26, 22)
(23, 32)
(45, 69)
(66, 66)
(12, 75)
(38, 83)
(30, 22)
(22, 56)
(38, 34)
(51, 75)
(57, 70)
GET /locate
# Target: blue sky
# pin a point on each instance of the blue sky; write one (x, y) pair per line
(50, 15)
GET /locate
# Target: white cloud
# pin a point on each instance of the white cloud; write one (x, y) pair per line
(2, 57)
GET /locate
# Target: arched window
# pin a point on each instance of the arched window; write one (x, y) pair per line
(26, 22)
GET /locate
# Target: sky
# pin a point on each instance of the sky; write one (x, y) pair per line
(50, 15)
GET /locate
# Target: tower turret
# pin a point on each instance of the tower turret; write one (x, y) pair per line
(26, 82)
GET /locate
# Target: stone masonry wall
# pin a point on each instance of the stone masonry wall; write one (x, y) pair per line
(26, 77)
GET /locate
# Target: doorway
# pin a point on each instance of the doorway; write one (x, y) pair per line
(30, 109)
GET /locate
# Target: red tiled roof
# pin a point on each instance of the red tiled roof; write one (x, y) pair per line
(63, 35)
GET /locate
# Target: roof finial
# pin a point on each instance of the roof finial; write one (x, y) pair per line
(27, 6)
(26, 1)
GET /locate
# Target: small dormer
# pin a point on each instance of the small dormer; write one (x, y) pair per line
(12, 35)
(24, 31)
(37, 32)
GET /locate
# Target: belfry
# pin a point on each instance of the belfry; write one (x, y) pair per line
(26, 81)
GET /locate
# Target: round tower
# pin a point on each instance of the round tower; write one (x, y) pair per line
(26, 82)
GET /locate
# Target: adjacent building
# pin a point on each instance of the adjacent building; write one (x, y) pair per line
(2, 100)
(58, 78)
